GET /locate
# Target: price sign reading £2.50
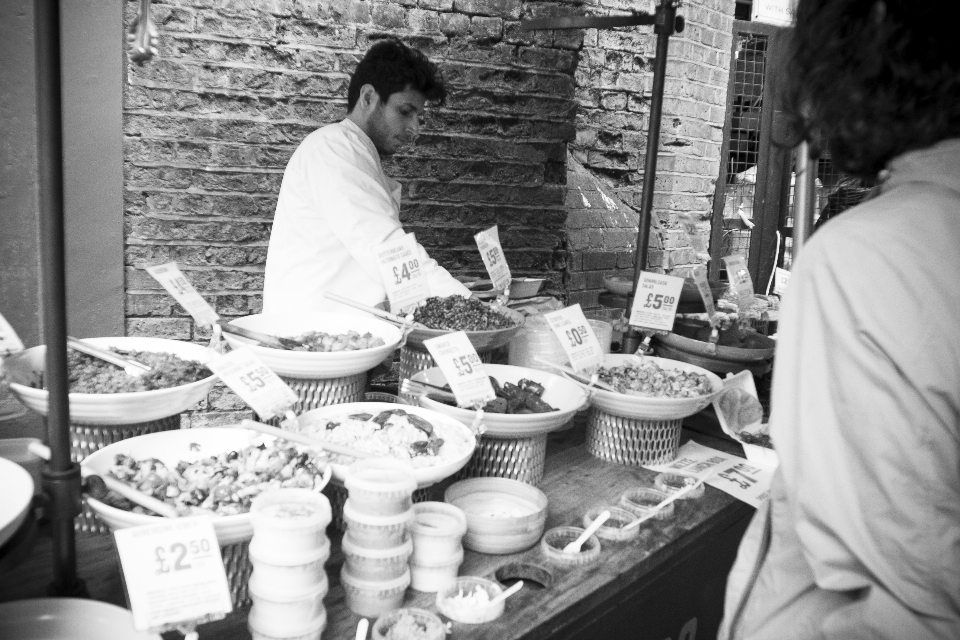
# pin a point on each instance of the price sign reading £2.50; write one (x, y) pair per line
(254, 382)
(461, 365)
(174, 573)
(576, 337)
(404, 280)
(655, 301)
(492, 253)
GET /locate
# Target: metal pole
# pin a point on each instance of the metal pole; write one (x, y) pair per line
(61, 476)
(804, 197)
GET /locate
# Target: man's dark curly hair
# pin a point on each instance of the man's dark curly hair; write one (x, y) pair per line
(870, 79)
(391, 66)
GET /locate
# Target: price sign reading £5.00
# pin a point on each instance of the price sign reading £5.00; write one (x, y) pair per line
(179, 287)
(254, 382)
(576, 337)
(492, 253)
(655, 301)
(461, 365)
(174, 573)
(399, 262)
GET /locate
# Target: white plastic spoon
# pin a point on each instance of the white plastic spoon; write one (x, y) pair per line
(506, 594)
(574, 547)
(362, 629)
(674, 496)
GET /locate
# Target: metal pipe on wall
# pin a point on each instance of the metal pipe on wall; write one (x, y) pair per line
(804, 197)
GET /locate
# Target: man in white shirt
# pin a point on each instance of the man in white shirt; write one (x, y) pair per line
(336, 205)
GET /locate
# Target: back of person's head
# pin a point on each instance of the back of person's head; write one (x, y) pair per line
(390, 67)
(870, 79)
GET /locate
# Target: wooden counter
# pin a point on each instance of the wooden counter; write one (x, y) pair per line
(668, 583)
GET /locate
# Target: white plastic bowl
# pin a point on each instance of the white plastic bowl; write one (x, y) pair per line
(563, 394)
(170, 447)
(312, 364)
(68, 619)
(525, 287)
(630, 406)
(24, 369)
(17, 496)
(503, 515)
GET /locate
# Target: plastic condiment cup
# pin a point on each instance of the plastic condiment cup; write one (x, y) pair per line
(437, 530)
(392, 625)
(371, 598)
(434, 574)
(461, 602)
(613, 528)
(293, 578)
(376, 564)
(554, 540)
(262, 630)
(376, 532)
(380, 486)
(672, 482)
(288, 523)
(282, 614)
(642, 500)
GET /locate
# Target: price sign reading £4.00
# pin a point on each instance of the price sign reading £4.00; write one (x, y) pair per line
(655, 301)
(461, 365)
(174, 573)
(576, 336)
(254, 382)
(492, 253)
(179, 287)
(403, 278)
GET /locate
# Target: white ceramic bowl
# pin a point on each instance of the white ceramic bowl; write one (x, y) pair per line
(17, 496)
(426, 476)
(525, 287)
(311, 364)
(558, 392)
(68, 619)
(170, 447)
(629, 406)
(25, 368)
(503, 515)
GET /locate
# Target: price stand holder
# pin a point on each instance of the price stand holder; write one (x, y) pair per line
(403, 277)
(576, 337)
(493, 259)
(9, 340)
(655, 301)
(174, 574)
(740, 280)
(462, 367)
(254, 382)
(177, 285)
(700, 278)
(781, 278)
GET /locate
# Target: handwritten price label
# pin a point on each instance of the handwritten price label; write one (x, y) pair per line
(740, 280)
(254, 382)
(403, 278)
(576, 337)
(9, 340)
(177, 285)
(493, 259)
(700, 278)
(174, 572)
(462, 367)
(655, 302)
(780, 280)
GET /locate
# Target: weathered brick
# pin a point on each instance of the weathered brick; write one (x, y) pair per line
(169, 328)
(486, 29)
(509, 9)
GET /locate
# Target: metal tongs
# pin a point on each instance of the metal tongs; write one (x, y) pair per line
(274, 342)
(129, 365)
(380, 313)
(579, 377)
(417, 388)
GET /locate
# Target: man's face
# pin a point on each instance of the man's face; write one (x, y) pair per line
(396, 122)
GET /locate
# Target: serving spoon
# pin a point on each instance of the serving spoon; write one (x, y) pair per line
(576, 545)
(293, 436)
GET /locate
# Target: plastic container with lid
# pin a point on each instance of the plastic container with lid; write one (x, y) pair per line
(437, 530)
(285, 614)
(371, 598)
(642, 500)
(265, 630)
(380, 486)
(407, 623)
(290, 578)
(376, 564)
(554, 540)
(467, 600)
(672, 482)
(613, 528)
(376, 532)
(288, 523)
(432, 574)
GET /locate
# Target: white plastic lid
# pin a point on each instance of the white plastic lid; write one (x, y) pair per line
(272, 629)
(404, 550)
(350, 513)
(375, 585)
(269, 592)
(271, 554)
(438, 519)
(304, 509)
(381, 475)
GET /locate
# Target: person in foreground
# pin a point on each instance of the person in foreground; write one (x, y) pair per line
(861, 536)
(336, 205)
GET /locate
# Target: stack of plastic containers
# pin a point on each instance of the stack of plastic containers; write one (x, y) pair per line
(376, 547)
(288, 551)
(438, 529)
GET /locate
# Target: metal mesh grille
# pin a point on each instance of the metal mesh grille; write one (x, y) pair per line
(631, 441)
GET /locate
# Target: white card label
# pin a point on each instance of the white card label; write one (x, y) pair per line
(493, 259)
(9, 340)
(403, 277)
(740, 280)
(462, 367)
(254, 382)
(576, 337)
(655, 301)
(179, 287)
(703, 286)
(781, 278)
(174, 572)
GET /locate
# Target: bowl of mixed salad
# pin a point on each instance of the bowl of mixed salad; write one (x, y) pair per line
(486, 327)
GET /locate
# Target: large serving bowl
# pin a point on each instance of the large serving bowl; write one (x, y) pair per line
(642, 407)
(170, 447)
(25, 370)
(68, 619)
(426, 476)
(17, 497)
(694, 347)
(313, 364)
(482, 341)
(558, 392)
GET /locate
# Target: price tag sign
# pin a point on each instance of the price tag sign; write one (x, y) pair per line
(254, 382)
(179, 287)
(700, 277)
(576, 337)
(781, 278)
(655, 301)
(461, 365)
(9, 340)
(403, 278)
(740, 280)
(492, 253)
(173, 572)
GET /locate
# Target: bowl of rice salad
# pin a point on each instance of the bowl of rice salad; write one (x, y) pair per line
(437, 446)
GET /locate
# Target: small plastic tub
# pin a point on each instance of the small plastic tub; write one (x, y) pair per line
(289, 523)
(263, 630)
(407, 623)
(613, 528)
(376, 564)
(642, 500)
(504, 516)
(370, 599)
(431, 575)
(672, 482)
(376, 532)
(437, 531)
(278, 613)
(557, 538)
(380, 486)
(290, 579)
(468, 598)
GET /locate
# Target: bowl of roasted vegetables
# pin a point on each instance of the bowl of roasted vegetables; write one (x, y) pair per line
(528, 403)
(333, 345)
(486, 327)
(735, 343)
